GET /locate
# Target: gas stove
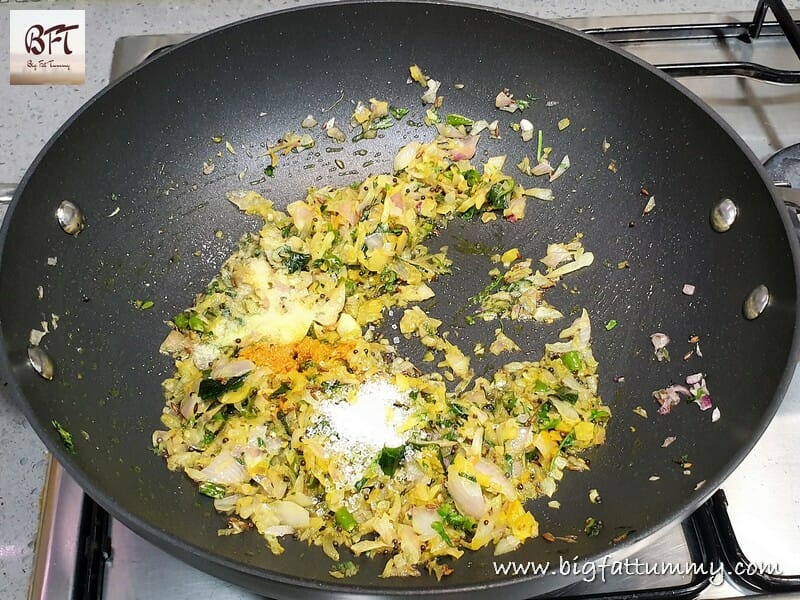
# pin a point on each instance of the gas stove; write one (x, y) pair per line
(742, 542)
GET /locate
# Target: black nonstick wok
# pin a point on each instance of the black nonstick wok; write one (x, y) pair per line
(157, 229)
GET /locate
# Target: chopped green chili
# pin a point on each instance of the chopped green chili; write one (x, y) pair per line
(345, 519)
(456, 120)
(212, 490)
(572, 360)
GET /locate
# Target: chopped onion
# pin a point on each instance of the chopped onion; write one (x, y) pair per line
(464, 148)
(507, 544)
(374, 241)
(290, 513)
(540, 193)
(715, 414)
(449, 131)
(580, 330)
(688, 289)
(422, 519)
(174, 342)
(660, 341)
(505, 101)
(309, 122)
(561, 169)
(234, 368)
(669, 397)
(226, 504)
(496, 477)
(556, 254)
(278, 530)
(223, 469)
(704, 402)
(405, 155)
(188, 406)
(336, 134)
(466, 493)
(566, 410)
(478, 126)
(692, 379)
(584, 260)
(429, 97)
(542, 168)
(668, 440)
(522, 441)
(526, 130)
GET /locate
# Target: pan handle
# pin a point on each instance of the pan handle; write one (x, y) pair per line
(739, 69)
(791, 200)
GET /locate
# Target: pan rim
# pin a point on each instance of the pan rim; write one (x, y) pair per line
(154, 535)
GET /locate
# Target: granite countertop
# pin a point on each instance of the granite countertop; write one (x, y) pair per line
(29, 115)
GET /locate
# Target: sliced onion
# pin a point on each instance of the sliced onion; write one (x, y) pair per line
(290, 513)
(580, 330)
(496, 476)
(522, 441)
(301, 213)
(188, 406)
(659, 340)
(422, 519)
(374, 241)
(429, 97)
(174, 342)
(278, 530)
(449, 131)
(233, 368)
(696, 378)
(566, 410)
(542, 168)
(406, 155)
(478, 126)
(464, 148)
(507, 544)
(526, 130)
(540, 193)
(584, 260)
(226, 504)
(466, 493)
(225, 470)
(556, 254)
(669, 397)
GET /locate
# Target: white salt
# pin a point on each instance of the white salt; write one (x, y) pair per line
(359, 428)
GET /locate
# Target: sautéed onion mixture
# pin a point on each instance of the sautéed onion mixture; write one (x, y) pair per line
(293, 412)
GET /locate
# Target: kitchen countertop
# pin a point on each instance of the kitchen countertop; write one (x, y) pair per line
(29, 115)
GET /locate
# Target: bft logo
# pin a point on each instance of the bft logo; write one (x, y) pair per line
(47, 47)
(38, 39)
